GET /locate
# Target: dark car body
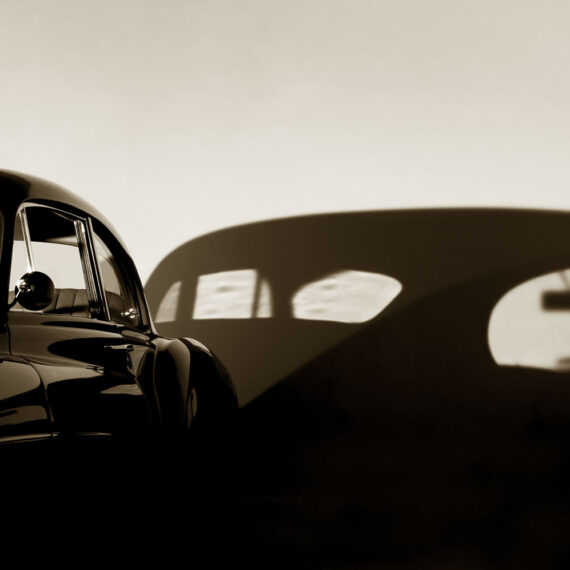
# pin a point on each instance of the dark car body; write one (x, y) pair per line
(90, 363)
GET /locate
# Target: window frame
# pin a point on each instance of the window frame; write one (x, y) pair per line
(86, 227)
(128, 276)
(98, 308)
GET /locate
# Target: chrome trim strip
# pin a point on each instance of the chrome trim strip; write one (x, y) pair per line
(25, 438)
(27, 239)
(98, 280)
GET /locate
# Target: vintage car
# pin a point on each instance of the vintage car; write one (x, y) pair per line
(79, 354)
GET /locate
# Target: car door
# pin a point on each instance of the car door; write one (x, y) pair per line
(95, 365)
(24, 413)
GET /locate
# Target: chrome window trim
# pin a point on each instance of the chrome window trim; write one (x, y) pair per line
(92, 271)
(125, 280)
(27, 240)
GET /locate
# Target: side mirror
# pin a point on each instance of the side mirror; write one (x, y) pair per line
(35, 291)
(556, 300)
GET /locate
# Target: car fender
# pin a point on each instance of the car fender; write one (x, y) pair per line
(210, 382)
(194, 389)
(171, 383)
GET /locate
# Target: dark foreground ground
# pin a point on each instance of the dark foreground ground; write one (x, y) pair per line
(413, 496)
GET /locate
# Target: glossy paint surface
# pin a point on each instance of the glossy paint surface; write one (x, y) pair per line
(91, 387)
(23, 405)
(70, 375)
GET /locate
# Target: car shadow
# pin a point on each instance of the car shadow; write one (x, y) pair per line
(393, 437)
(427, 251)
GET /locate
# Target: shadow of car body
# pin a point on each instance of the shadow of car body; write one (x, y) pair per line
(399, 437)
(428, 251)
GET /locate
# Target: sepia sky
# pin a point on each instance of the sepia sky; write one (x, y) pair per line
(176, 118)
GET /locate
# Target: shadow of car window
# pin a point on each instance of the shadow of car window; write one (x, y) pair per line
(524, 332)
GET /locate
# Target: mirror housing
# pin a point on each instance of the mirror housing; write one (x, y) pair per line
(35, 291)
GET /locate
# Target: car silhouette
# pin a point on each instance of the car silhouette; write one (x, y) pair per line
(80, 357)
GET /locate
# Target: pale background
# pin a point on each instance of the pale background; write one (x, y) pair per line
(176, 118)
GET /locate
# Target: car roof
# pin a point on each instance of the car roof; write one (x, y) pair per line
(17, 188)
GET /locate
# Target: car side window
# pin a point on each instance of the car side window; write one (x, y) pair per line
(55, 251)
(120, 299)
